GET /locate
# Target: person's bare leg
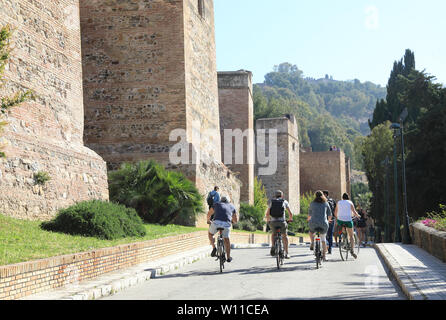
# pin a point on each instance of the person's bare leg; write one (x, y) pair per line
(324, 249)
(285, 242)
(211, 239)
(228, 248)
(311, 240)
(352, 241)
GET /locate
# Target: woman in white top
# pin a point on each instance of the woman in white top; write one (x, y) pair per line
(343, 213)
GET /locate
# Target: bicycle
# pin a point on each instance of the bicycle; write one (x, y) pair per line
(278, 247)
(317, 248)
(221, 249)
(345, 245)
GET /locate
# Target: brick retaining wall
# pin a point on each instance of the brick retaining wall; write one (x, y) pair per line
(429, 239)
(26, 278)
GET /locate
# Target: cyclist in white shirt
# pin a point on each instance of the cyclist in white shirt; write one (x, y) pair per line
(343, 213)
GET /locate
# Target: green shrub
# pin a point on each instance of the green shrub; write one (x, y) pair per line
(251, 216)
(100, 219)
(300, 223)
(158, 195)
(41, 177)
(260, 198)
(245, 225)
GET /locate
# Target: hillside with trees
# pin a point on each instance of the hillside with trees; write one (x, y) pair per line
(329, 112)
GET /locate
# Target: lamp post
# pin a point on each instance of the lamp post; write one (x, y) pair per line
(386, 197)
(406, 237)
(397, 236)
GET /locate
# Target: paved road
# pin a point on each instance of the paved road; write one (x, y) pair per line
(253, 275)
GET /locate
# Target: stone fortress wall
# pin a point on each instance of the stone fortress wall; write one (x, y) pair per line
(46, 134)
(149, 69)
(237, 118)
(325, 171)
(286, 178)
(146, 68)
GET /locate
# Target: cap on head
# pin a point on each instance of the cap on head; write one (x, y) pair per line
(325, 192)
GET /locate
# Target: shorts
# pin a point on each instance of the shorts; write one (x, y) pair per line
(282, 224)
(213, 230)
(347, 224)
(361, 224)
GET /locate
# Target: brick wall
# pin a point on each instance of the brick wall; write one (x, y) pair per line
(134, 76)
(23, 279)
(46, 134)
(148, 68)
(324, 171)
(237, 113)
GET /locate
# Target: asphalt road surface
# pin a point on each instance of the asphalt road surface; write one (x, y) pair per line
(253, 275)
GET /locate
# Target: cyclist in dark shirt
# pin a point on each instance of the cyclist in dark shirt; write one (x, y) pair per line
(224, 215)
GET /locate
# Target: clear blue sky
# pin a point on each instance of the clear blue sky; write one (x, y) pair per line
(346, 39)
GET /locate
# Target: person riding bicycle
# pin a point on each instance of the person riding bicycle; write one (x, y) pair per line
(275, 217)
(343, 213)
(224, 215)
(319, 217)
(361, 225)
(332, 205)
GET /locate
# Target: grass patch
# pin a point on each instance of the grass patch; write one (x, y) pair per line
(23, 240)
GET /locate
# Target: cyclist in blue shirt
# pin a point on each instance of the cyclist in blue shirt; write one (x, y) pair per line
(224, 215)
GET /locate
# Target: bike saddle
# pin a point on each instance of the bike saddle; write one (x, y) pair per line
(220, 229)
(320, 230)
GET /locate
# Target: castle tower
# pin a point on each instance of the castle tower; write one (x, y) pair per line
(325, 171)
(149, 72)
(46, 135)
(277, 140)
(237, 120)
(149, 69)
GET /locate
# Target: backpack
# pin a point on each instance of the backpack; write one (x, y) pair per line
(332, 205)
(277, 208)
(210, 199)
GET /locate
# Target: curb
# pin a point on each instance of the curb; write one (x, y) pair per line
(409, 288)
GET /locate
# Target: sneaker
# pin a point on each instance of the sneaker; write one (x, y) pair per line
(229, 259)
(214, 252)
(353, 254)
(324, 259)
(287, 256)
(273, 252)
(329, 251)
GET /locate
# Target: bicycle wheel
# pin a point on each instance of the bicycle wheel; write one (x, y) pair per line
(220, 251)
(344, 246)
(278, 248)
(317, 252)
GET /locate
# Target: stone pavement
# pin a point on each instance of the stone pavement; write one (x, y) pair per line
(420, 275)
(119, 280)
(122, 279)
